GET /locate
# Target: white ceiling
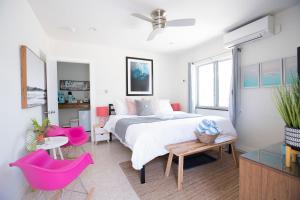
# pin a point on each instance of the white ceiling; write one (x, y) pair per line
(115, 26)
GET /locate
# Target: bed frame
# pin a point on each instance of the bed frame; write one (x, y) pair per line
(111, 111)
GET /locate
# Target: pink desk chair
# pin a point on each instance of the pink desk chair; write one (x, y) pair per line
(46, 174)
(76, 135)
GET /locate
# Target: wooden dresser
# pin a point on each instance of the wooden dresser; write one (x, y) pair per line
(264, 176)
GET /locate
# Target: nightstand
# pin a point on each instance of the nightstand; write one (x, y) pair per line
(100, 134)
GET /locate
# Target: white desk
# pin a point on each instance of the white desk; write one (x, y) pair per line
(53, 143)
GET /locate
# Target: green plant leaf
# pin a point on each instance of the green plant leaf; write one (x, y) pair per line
(287, 101)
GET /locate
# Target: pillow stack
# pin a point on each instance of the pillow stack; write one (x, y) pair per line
(143, 107)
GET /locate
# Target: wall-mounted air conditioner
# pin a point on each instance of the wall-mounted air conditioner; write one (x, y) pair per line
(258, 29)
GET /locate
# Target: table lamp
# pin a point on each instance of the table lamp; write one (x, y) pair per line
(102, 113)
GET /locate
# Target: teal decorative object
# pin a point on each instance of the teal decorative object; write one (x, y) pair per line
(208, 126)
(61, 97)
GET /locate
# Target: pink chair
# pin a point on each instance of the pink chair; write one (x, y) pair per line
(76, 135)
(46, 174)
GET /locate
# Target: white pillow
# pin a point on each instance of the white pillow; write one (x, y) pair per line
(121, 107)
(164, 107)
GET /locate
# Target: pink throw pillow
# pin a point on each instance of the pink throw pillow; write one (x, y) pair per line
(131, 106)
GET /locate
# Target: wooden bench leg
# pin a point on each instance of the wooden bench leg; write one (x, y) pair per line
(180, 172)
(169, 164)
(220, 152)
(234, 154)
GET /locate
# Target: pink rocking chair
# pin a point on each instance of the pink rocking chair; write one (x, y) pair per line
(46, 174)
(76, 135)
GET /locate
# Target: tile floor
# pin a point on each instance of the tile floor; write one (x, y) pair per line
(105, 175)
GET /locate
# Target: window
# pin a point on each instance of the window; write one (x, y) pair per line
(206, 85)
(213, 84)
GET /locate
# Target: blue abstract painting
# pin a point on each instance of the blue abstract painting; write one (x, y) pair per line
(139, 76)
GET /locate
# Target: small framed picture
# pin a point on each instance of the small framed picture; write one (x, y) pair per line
(250, 77)
(139, 77)
(72, 85)
(271, 73)
(290, 70)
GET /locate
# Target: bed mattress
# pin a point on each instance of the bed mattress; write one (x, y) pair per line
(148, 140)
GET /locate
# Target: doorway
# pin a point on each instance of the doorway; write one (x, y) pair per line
(73, 89)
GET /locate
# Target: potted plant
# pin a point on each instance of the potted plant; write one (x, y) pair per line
(288, 105)
(40, 130)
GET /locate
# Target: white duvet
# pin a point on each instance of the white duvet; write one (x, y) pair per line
(148, 140)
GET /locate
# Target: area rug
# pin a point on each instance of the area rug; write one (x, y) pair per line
(216, 180)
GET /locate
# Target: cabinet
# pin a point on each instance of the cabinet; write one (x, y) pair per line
(264, 176)
(100, 134)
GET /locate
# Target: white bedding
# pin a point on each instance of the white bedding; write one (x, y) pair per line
(148, 140)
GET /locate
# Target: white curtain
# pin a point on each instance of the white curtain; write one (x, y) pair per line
(234, 99)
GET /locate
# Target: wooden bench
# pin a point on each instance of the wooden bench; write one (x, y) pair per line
(193, 147)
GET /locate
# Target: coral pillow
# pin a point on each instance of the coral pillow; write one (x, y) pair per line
(131, 106)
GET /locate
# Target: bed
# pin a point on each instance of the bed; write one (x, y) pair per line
(147, 139)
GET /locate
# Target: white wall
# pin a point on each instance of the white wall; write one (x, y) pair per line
(259, 124)
(108, 70)
(72, 71)
(18, 26)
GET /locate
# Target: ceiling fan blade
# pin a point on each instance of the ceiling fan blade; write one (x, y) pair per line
(154, 33)
(142, 17)
(181, 22)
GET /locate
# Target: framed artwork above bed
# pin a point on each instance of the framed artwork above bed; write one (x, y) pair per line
(139, 77)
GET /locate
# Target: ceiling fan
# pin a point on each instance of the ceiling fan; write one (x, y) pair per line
(160, 22)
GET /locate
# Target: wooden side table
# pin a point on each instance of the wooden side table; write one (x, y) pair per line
(100, 134)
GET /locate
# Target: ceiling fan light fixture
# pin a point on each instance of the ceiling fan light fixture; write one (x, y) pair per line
(159, 22)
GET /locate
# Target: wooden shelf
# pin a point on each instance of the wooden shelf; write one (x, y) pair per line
(74, 105)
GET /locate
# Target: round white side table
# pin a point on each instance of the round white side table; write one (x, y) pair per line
(53, 143)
